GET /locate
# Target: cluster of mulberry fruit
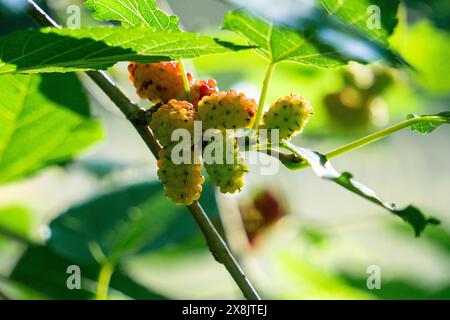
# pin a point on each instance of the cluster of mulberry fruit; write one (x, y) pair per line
(163, 84)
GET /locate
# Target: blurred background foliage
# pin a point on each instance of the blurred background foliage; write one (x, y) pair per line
(297, 237)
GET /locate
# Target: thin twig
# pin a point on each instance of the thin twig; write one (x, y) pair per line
(133, 113)
(294, 162)
(262, 97)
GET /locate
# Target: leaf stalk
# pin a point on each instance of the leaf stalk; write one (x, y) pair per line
(297, 164)
(381, 134)
(262, 97)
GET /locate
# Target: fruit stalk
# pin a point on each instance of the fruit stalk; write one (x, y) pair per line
(186, 85)
(294, 163)
(262, 97)
(133, 113)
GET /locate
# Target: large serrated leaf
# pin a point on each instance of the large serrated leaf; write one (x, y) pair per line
(324, 33)
(65, 50)
(323, 168)
(133, 13)
(44, 119)
(358, 13)
(277, 43)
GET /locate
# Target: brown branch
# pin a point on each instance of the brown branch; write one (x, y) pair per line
(133, 113)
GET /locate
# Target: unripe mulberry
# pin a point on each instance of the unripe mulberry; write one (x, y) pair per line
(170, 116)
(228, 172)
(158, 82)
(201, 88)
(182, 182)
(227, 110)
(289, 114)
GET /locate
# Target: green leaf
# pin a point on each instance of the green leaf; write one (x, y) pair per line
(276, 43)
(306, 280)
(322, 168)
(45, 272)
(183, 228)
(127, 221)
(426, 48)
(331, 35)
(399, 288)
(65, 50)
(44, 120)
(427, 126)
(356, 14)
(133, 13)
(16, 220)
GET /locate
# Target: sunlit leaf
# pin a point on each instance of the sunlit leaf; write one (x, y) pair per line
(277, 43)
(310, 281)
(16, 220)
(325, 33)
(133, 13)
(44, 120)
(375, 18)
(64, 50)
(426, 48)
